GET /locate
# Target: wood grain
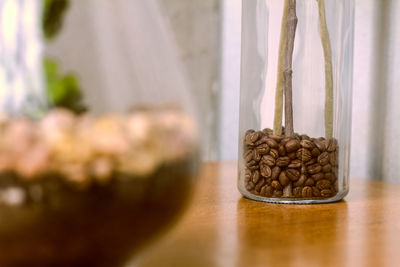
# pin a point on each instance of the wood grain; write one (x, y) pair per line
(223, 229)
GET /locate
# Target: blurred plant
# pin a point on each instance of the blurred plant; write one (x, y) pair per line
(54, 11)
(62, 90)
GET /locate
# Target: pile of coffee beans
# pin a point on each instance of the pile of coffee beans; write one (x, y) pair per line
(290, 167)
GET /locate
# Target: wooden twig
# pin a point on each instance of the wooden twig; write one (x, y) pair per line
(291, 26)
(280, 79)
(326, 44)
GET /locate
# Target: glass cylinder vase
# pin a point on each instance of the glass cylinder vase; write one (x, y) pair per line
(295, 103)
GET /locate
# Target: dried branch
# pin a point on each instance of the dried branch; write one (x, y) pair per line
(291, 26)
(326, 44)
(280, 79)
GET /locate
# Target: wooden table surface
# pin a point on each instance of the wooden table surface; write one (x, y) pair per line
(221, 228)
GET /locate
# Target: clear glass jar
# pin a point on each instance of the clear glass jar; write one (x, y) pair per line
(98, 146)
(296, 86)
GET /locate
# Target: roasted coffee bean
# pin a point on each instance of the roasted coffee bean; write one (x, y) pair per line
(297, 191)
(251, 163)
(309, 182)
(313, 169)
(311, 162)
(250, 186)
(272, 143)
(315, 152)
(307, 192)
(336, 186)
(332, 159)
(303, 168)
(326, 193)
(292, 155)
(297, 137)
(268, 131)
(256, 156)
(269, 160)
(283, 179)
(282, 150)
(301, 180)
(275, 172)
(262, 191)
(304, 137)
(320, 145)
(248, 156)
(276, 185)
(252, 137)
(294, 164)
(274, 153)
(293, 174)
(292, 145)
(307, 144)
(265, 170)
(287, 191)
(282, 161)
(335, 171)
(268, 181)
(253, 167)
(269, 190)
(255, 177)
(327, 168)
(276, 138)
(259, 185)
(323, 159)
(285, 140)
(303, 154)
(316, 192)
(323, 184)
(263, 149)
(332, 145)
(318, 176)
(277, 193)
(329, 176)
(261, 141)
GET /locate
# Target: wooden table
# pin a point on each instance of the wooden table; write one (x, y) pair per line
(223, 229)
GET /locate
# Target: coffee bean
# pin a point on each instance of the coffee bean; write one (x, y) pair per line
(252, 137)
(292, 145)
(269, 190)
(261, 141)
(250, 186)
(259, 185)
(303, 154)
(276, 185)
(320, 145)
(275, 172)
(327, 168)
(262, 191)
(297, 191)
(316, 192)
(272, 143)
(313, 169)
(282, 161)
(326, 193)
(323, 184)
(306, 192)
(275, 137)
(292, 155)
(309, 182)
(265, 170)
(301, 180)
(283, 179)
(277, 193)
(268, 131)
(255, 177)
(311, 162)
(332, 144)
(251, 163)
(256, 156)
(315, 152)
(268, 181)
(263, 149)
(332, 159)
(304, 137)
(293, 174)
(294, 164)
(323, 159)
(303, 168)
(307, 144)
(285, 140)
(336, 186)
(287, 191)
(318, 176)
(282, 150)
(274, 153)
(329, 176)
(248, 156)
(335, 171)
(269, 160)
